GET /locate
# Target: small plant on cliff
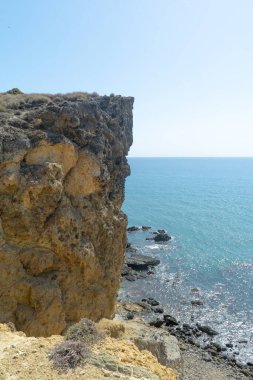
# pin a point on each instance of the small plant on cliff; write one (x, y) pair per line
(84, 331)
(14, 91)
(67, 355)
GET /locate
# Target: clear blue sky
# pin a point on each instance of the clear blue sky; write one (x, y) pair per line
(188, 63)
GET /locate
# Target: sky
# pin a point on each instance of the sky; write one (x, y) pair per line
(188, 63)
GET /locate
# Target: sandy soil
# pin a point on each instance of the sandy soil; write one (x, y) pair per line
(23, 358)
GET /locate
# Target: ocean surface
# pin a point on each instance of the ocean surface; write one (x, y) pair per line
(206, 204)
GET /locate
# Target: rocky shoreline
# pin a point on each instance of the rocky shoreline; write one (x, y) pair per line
(197, 337)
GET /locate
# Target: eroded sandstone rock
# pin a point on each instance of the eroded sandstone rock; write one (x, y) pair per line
(62, 234)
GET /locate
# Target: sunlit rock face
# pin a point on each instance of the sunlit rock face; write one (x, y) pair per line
(62, 234)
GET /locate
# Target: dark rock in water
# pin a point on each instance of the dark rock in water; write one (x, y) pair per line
(145, 228)
(162, 237)
(141, 262)
(194, 290)
(206, 329)
(197, 303)
(229, 345)
(130, 316)
(130, 277)
(158, 310)
(152, 302)
(161, 231)
(149, 238)
(242, 341)
(125, 270)
(142, 275)
(170, 321)
(130, 248)
(133, 229)
(156, 322)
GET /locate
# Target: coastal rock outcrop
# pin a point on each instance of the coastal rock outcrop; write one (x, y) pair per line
(114, 357)
(62, 234)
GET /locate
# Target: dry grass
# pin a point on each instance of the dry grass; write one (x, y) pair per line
(85, 331)
(14, 102)
(15, 99)
(69, 355)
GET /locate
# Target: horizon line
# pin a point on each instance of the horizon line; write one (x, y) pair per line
(189, 156)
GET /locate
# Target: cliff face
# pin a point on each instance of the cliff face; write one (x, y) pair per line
(62, 234)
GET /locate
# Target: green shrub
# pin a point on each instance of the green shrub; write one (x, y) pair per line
(67, 355)
(14, 91)
(84, 331)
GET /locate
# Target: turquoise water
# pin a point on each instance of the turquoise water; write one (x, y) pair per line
(206, 204)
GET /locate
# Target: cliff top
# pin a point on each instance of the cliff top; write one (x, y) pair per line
(16, 100)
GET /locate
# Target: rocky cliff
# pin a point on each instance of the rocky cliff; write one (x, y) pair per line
(62, 234)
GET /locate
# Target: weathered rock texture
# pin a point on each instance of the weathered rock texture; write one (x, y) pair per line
(62, 234)
(112, 358)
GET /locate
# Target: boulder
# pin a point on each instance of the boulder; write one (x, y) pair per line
(133, 229)
(169, 320)
(206, 329)
(151, 301)
(141, 262)
(197, 303)
(161, 237)
(130, 248)
(157, 341)
(156, 322)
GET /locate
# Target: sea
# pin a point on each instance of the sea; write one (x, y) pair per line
(206, 205)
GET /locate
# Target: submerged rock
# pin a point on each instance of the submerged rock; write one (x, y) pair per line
(207, 329)
(133, 229)
(161, 237)
(169, 320)
(141, 262)
(197, 303)
(130, 248)
(158, 310)
(156, 322)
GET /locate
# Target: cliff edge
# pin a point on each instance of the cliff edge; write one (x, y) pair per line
(62, 234)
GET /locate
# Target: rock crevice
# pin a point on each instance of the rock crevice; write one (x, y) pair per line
(62, 233)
